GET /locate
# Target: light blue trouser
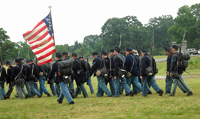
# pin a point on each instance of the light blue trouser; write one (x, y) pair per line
(168, 85)
(42, 86)
(102, 87)
(58, 89)
(28, 88)
(71, 84)
(10, 89)
(1, 90)
(111, 83)
(180, 82)
(64, 92)
(152, 82)
(89, 82)
(52, 87)
(80, 87)
(136, 85)
(20, 89)
(33, 89)
(124, 85)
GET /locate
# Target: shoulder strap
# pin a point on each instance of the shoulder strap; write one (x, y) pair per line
(79, 63)
(19, 73)
(32, 69)
(101, 62)
(150, 58)
(133, 63)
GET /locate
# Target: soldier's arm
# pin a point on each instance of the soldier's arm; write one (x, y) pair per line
(94, 67)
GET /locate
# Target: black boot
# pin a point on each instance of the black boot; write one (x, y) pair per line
(160, 92)
(39, 96)
(71, 103)
(59, 102)
(131, 93)
(26, 96)
(48, 95)
(189, 94)
(150, 92)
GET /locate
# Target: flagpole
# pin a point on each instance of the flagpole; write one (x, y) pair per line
(52, 27)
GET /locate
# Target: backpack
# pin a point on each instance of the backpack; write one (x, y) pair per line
(183, 60)
(65, 68)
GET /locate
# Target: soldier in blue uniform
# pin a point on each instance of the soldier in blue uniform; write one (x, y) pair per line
(31, 77)
(17, 77)
(109, 79)
(71, 84)
(8, 79)
(119, 61)
(132, 65)
(64, 90)
(88, 79)
(174, 68)
(145, 62)
(2, 81)
(98, 63)
(80, 75)
(168, 80)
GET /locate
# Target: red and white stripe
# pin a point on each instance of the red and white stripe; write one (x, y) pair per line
(41, 42)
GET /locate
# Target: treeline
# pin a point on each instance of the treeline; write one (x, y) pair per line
(154, 36)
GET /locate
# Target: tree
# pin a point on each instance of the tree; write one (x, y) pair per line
(91, 40)
(3, 44)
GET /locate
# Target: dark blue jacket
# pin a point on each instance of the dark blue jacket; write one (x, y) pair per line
(97, 64)
(3, 74)
(8, 76)
(67, 58)
(16, 70)
(169, 62)
(118, 64)
(145, 62)
(55, 70)
(129, 63)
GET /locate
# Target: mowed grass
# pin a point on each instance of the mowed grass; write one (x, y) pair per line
(153, 106)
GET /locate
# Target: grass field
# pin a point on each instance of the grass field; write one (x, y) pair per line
(137, 106)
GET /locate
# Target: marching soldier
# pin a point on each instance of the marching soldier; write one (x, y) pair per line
(109, 79)
(2, 81)
(44, 70)
(8, 79)
(88, 79)
(132, 65)
(17, 77)
(168, 80)
(71, 84)
(174, 68)
(31, 78)
(119, 61)
(64, 90)
(98, 63)
(80, 76)
(146, 61)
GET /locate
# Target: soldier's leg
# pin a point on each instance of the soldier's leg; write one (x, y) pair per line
(78, 90)
(145, 86)
(168, 85)
(58, 89)
(112, 88)
(65, 91)
(174, 87)
(136, 85)
(19, 90)
(82, 87)
(128, 81)
(117, 87)
(32, 86)
(89, 82)
(154, 84)
(182, 83)
(1, 90)
(102, 85)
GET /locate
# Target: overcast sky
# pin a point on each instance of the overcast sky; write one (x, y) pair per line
(75, 19)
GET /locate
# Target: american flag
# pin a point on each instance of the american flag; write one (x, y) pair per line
(41, 41)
